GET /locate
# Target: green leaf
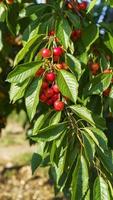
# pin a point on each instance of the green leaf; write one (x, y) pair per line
(100, 189)
(80, 179)
(2, 12)
(111, 99)
(24, 71)
(74, 19)
(27, 47)
(101, 137)
(74, 64)
(17, 90)
(63, 32)
(55, 118)
(89, 36)
(89, 147)
(50, 133)
(32, 97)
(88, 116)
(68, 85)
(106, 159)
(98, 84)
(91, 5)
(35, 162)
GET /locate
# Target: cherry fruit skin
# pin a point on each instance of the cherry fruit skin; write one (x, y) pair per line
(43, 97)
(76, 34)
(55, 97)
(39, 72)
(49, 92)
(58, 105)
(57, 51)
(94, 66)
(82, 6)
(46, 53)
(55, 88)
(49, 102)
(107, 92)
(44, 85)
(51, 33)
(10, 2)
(50, 76)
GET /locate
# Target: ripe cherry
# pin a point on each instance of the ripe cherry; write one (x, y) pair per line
(44, 85)
(51, 33)
(43, 97)
(49, 102)
(76, 34)
(57, 51)
(50, 76)
(94, 66)
(55, 88)
(39, 72)
(58, 105)
(56, 58)
(55, 97)
(46, 53)
(10, 1)
(49, 92)
(107, 71)
(107, 92)
(82, 6)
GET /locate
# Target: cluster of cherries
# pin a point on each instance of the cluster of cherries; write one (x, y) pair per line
(8, 1)
(50, 93)
(79, 6)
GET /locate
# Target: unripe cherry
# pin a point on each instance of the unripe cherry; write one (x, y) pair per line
(57, 51)
(50, 76)
(107, 71)
(9, 2)
(46, 53)
(58, 105)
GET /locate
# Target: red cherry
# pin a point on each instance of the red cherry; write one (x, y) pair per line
(44, 85)
(49, 102)
(82, 6)
(56, 58)
(50, 76)
(9, 2)
(46, 53)
(57, 51)
(49, 92)
(55, 88)
(43, 97)
(76, 34)
(39, 72)
(107, 71)
(51, 33)
(106, 92)
(58, 105)
(55, 97)
(94, 66)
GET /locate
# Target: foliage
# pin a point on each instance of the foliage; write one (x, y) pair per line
(77, 138)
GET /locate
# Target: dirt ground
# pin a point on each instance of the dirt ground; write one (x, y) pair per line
(16, 180)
